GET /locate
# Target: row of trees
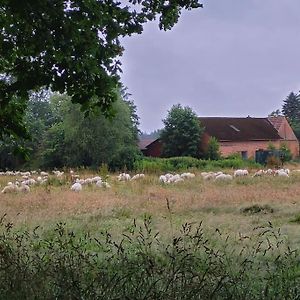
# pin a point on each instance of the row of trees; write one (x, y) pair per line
(61, 135)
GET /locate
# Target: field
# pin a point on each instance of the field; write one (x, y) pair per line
(220, 205)
(238, 209)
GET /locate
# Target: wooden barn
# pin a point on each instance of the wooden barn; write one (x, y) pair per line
(239, 135)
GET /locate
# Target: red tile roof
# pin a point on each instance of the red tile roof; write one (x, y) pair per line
(144, 143)
(277, 121)
(239, 129)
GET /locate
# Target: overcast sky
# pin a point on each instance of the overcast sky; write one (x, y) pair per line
(231, 58)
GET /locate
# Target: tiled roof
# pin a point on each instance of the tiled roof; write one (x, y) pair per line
(277, 121)
(144, 143)
(239, 129)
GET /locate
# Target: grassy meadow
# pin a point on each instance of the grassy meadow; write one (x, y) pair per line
(141, 225)
(220, 205)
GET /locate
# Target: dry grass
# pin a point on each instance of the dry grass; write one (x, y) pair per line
(216, 204)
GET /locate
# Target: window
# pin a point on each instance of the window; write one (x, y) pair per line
(234, 128)
(244, 154)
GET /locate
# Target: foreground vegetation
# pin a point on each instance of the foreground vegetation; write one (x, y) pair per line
(141, 265)
(240, 240)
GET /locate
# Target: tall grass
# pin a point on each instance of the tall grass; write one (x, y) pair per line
(142, 264)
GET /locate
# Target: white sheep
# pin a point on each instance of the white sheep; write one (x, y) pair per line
(238, 173)
(281, 173)
(96, 179)
(88, 181)
(76, 187)
(58, 173)
(163, 179)
(23, 188)
(103, 184)
(124, 177)
(209, 176)
(138, 176)
(10, 188)
(222, 177)
(187, 175)
(268, 172)
(258, 173)
(30, 181)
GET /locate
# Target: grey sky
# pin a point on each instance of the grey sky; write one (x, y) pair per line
(231, 58)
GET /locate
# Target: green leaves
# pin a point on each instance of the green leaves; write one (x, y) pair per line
(70, 47)
(182, 132)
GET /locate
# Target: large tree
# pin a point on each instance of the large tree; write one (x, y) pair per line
(69, 46)
(291, 108)
(182, 132)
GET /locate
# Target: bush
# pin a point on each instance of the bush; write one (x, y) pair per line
(273, 161)
(141, 265)
(286, 154)
(174, 164)
(256, 208)
(213, 149)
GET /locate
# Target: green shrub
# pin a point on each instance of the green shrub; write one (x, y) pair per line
(142, 265)
(174, 164)
(213, 149)
(256, 208)
(286, 154)
(296, 219)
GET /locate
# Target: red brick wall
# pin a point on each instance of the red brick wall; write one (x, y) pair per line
(228, 148)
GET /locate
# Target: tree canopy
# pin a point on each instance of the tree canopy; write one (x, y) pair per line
(291, 110)
(69, 46)
(291, 107)
(62, 136)
(182, 132)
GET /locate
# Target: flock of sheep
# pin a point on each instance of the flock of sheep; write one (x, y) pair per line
(219, 176)
(26, 179)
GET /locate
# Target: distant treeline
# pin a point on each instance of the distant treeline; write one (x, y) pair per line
(61, 135)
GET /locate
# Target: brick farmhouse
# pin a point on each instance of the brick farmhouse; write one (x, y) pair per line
(238, 135)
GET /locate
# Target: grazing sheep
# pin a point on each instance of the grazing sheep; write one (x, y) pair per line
(124, 177)
(76, 187)
(88, 181)
(219, 173)
(282, 173)
(163, 179)
(23, 188)
(30, 181)
(169, 178)
(138, 176)
(99, 183)
(209, 176)
(43, 174)
(58, 173)
(222, 177)
(258, 173)
(239, 173)
(103, 184)
(187, 175)
(268, 172)
(175, 178)
(96, 179)
(10, 188)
